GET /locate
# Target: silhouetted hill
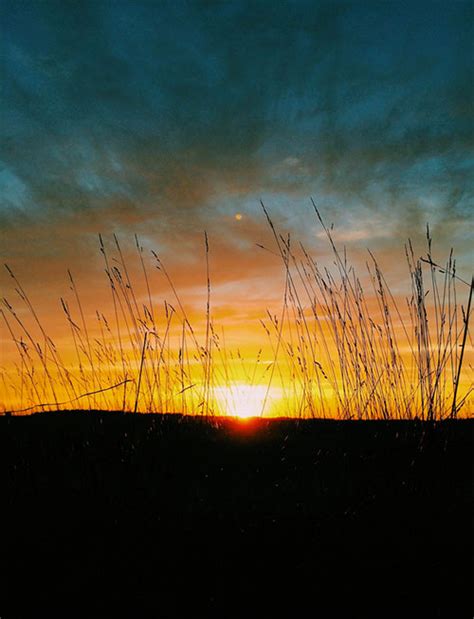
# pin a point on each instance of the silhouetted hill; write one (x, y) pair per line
(112, 514)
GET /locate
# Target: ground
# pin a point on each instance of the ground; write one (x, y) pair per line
(121, 515)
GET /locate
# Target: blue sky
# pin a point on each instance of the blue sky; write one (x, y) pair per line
(165, 118)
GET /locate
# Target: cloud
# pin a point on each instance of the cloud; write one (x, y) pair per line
(166, 118)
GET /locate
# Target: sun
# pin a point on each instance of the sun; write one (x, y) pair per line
(241, 400)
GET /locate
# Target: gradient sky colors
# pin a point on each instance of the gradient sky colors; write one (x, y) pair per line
(166, 119)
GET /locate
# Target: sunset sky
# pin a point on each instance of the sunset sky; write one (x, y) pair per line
(168, 119)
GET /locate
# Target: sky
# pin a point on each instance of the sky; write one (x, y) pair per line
(167, 119)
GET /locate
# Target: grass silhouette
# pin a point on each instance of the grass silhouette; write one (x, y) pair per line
(338, 349)
(110, 514)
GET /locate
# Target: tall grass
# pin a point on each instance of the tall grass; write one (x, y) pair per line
(342, 345)
(378, 360)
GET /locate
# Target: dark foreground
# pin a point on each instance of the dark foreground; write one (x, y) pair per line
(113, 515)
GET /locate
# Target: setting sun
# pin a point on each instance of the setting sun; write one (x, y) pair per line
(242, 400)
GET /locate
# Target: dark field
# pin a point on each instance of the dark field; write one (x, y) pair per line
(110, 514)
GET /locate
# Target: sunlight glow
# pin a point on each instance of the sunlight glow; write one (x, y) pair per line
(241, 400)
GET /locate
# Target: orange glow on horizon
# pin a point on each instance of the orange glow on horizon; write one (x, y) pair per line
(318, 349)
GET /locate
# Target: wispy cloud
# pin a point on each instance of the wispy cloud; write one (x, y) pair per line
(167, 118)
